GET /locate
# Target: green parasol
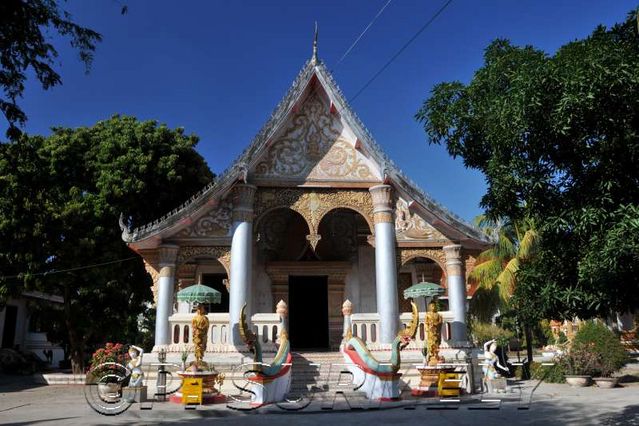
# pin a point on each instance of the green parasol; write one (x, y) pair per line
(199, 293)
(423, 289)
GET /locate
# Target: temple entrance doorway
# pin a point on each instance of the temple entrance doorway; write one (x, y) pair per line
(308, 312)
(216, 281)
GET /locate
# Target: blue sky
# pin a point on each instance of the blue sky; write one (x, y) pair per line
(219, 68)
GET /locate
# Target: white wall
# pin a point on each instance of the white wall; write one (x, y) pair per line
(261, 296)
(366, 277)
(21, 321)
(29, 341)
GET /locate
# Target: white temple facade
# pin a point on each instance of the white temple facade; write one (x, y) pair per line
(312, 213)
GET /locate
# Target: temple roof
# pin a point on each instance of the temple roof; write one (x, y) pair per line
(313, 71)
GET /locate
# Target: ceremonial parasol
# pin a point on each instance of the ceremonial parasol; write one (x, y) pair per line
(423, 289)
(199, 293)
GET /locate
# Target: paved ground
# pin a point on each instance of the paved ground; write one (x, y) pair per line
(23, 402)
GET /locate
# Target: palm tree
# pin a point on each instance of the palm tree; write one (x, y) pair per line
(497, 266)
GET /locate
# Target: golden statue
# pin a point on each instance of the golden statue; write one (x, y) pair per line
(433, 332)
(200, 324)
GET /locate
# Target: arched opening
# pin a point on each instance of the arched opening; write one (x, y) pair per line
(207, 271)
(416, 270)
(342, 230)
(281, 236)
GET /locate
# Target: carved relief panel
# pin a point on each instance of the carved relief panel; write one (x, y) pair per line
(409, 225)
(215, 223)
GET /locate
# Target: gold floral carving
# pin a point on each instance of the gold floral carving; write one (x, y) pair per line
(382, 196)
(470, 263)
(311, 147)
(155, 276)
(383, 217)
(221, 253)
(315, 204)
(407, 254)
(408, 225)
(313, 240)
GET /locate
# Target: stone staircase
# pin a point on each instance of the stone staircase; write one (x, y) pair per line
(316, 375)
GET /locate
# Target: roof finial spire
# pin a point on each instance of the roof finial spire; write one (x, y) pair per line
(314, 58)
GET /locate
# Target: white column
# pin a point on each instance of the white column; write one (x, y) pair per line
(456, 293)
(166, 282)
(385, 263)
(241, 256)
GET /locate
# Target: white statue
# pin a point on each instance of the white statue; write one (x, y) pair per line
(135, 365)
(491, 360)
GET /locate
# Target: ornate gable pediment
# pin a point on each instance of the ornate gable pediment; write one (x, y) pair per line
(315, 146)
(313, 138)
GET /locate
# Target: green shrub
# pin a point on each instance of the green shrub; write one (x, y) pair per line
(483, 332)
(550, 374)
(610, 353)
(579, 361)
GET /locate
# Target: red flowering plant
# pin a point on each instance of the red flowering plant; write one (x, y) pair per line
(108, 361)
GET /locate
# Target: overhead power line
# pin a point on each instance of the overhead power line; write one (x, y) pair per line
(370, 24)
(77, 268)
(399, 52)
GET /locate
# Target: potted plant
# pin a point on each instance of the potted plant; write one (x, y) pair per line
(610, 353)
(606, 371)
(108, 371)
(578, 365)
(184, 355)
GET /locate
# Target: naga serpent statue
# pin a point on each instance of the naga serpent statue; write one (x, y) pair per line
(379, 379)
(269, 382)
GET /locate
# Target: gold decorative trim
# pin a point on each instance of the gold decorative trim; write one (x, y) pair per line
(314, 239)
(453, 260)
(167, 254)
(313, 205)
(383, 217)
(155, 277)
(221, 253)
(243, 216)
(407, 254)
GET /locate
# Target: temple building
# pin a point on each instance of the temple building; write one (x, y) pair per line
(312, 213)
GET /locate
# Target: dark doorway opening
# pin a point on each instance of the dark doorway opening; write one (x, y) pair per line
(9, 329)
(308, 312)
(216, 281)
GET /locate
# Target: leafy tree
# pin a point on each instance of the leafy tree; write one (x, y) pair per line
(557, 139)
(60, 199)
(26, 27)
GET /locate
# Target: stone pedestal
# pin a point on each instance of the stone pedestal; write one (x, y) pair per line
(135, 393)
(497, 385)
(210, 394)
(429, 381)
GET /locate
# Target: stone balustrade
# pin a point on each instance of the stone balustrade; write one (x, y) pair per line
(366, 327)
(266, 327)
